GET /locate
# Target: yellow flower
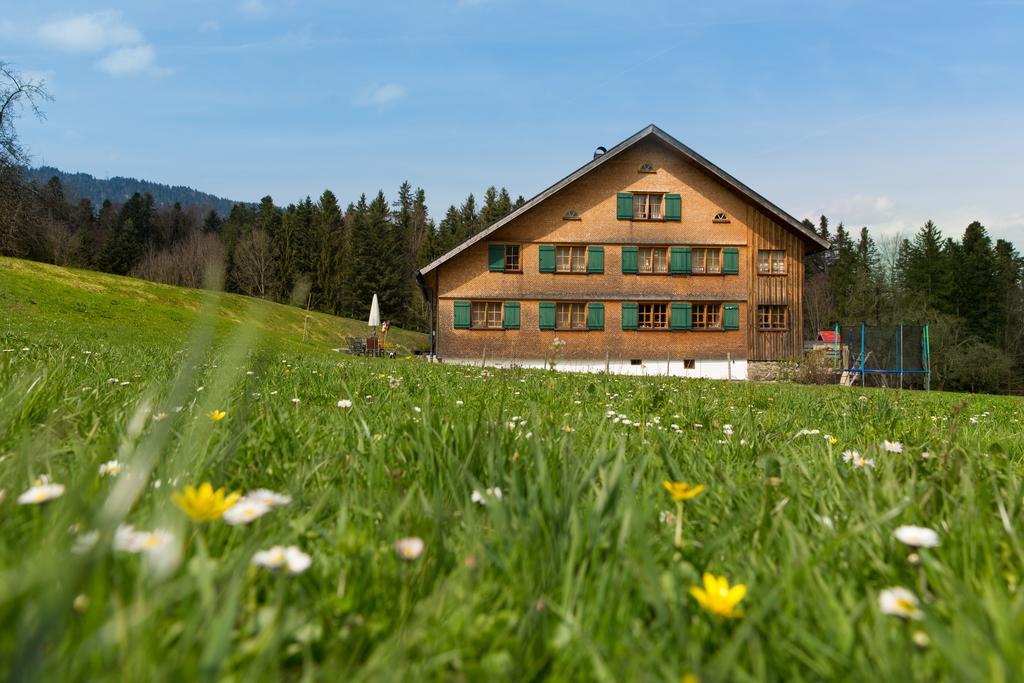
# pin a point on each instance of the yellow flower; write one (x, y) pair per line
(217, 415)
(204, 504)
(717, 597)
(680, 490)
(689, 678)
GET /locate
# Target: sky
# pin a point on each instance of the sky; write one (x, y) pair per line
(883, 114)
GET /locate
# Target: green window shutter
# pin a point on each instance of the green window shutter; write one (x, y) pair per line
(510, 320)
(673, 207)
(595, 316)
(629, 316)
(682, 317)
(624, 206)
(630, 256)
(679, 260)
(496, 257)
(731, 318)
(731, 261)
(595, 259)
(547, 258)
(461, 314)
(546, 315)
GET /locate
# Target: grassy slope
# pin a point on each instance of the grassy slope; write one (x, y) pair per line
(40, 301)
(570, 577)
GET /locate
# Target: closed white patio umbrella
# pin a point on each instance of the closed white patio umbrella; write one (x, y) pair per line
(375, 313)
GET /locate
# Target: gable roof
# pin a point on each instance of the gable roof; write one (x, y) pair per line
(816, 242)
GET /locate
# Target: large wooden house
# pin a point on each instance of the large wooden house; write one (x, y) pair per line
(648, 259)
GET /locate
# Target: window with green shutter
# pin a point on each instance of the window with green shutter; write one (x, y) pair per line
(629, 316)
(629, 259)
(496, 258)
(510, 320)
(680, 318)
(731, 260)
(731, 317)
(595, 259)
(461, 315)
(595, 316)
(673, 207)
(679, 260)
(546, 259)
(546, 315)
(624, 206)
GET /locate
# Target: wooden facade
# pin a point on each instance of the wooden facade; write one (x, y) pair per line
(585, 209)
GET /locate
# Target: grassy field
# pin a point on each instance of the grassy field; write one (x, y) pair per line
(38, 300)
(572, 574)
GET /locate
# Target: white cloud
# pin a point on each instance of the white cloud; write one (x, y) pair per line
(93, 32)
(127, 52)
(129, 61)
(254, 8)
(209, 26)
(380, 96)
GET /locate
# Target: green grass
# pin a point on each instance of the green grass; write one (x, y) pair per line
(571, 576)
(37, 300)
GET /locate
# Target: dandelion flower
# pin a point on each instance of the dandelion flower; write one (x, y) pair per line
(245, 511)
(291, 558)
(680, 490)
(409, 548)
(41, 493)
(111, 468)
(899, 602)
(892, 446)
(567, 429)
(917, 536)
(718, 597)
(204, 504)
(217, 415)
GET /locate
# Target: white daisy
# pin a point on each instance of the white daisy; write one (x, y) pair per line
(291, 558)
(917, 536)
(345, 403)
(268, 497)
(111, 468)
(899, 602)
(892, 446)
(245, 511)
(409, 548)
(41, 493)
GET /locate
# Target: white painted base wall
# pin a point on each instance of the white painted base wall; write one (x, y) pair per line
(709, 369)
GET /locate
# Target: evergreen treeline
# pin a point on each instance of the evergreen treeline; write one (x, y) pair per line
(314, 253)
(332, 258)
(970, 292)
(119, 189)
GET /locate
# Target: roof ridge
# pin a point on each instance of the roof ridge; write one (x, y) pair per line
(650, 129)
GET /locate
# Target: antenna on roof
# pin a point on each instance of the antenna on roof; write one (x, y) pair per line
(599, 151)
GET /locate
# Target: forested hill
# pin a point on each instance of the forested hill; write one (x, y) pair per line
(119, 189)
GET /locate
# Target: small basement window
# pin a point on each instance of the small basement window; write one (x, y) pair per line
(636, 361)
(689, 364)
